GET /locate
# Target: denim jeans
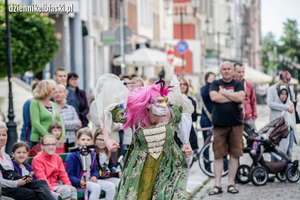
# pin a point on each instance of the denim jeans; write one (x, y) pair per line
(291, 143)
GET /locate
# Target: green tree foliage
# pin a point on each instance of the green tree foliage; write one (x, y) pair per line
(288, 46)
(33, 43)
(269, 52)
(290, 40)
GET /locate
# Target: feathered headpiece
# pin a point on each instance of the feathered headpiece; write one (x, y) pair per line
(138, 101)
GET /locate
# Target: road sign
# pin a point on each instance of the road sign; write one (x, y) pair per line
(182, 47)
(127, 33)
(108, 37)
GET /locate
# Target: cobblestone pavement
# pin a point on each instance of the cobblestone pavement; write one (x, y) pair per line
(271, 191)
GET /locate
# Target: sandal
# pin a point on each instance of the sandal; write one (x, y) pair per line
(215, 190)
(232, 189)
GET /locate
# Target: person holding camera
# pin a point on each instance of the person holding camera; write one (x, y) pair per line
(82, 168)
(48, 165)
(15, 185)
(107, 171)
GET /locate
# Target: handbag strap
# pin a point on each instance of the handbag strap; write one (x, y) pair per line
(208, 114)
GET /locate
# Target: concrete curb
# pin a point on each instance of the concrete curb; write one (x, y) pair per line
(198, 190)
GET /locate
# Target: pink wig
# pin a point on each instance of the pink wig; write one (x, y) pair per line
(137, 104)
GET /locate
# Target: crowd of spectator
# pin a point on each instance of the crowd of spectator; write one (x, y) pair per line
(56, 120)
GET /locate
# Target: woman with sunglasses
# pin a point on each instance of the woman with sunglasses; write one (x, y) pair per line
(184, 87)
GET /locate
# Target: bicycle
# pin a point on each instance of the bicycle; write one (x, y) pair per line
(205, 157)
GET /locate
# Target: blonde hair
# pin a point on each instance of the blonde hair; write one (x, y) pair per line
(84, 131)
(43, 89)
(185, 82)
(61, 86)
(3, 125)
(47, 137)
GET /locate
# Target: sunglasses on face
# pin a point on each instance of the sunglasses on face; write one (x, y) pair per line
(285, 76)
(183, 84)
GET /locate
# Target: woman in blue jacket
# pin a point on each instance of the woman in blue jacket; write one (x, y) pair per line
(74, 167)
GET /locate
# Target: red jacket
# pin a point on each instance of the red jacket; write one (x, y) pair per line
(250, 102)
(50, 168)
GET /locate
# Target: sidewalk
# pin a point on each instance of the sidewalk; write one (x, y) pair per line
(274, 191)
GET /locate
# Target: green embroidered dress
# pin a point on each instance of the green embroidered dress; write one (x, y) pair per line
(154, 167)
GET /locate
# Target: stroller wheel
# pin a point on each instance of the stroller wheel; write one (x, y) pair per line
(259, 176)
(292, 174)
(281, 176)
(242, 175)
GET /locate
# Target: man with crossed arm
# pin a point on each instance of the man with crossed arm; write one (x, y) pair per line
(227, 96)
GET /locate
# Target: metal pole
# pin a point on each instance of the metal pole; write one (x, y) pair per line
(218, 47)
(122, 38)
(242, 53)
(242, 46)
(11, 125)
(182, 38)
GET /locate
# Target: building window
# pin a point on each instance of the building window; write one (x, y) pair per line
(146, 12)
(95, 7)
(111, 8)
(117, 9)
(114, 9)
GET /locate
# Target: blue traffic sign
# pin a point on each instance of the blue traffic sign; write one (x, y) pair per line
(182, 47)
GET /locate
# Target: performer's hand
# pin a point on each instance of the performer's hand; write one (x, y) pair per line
(111, 145)
(119, 126)
(187, 149)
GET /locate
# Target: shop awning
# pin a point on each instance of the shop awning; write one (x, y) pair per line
(145, 57)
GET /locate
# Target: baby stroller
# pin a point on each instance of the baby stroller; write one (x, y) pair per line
(265, 141)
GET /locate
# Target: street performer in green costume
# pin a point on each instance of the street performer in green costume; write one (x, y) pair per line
(154, 167)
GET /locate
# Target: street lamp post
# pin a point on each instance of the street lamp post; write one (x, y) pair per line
(122, 37)
(182, 38)
(218, 47)
(11, 125)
